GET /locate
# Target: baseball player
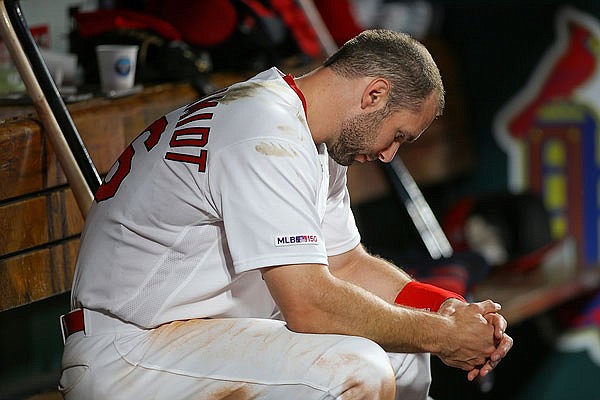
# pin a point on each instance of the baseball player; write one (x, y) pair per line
(220, 258)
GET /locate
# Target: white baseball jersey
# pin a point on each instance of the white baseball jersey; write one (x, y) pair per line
(206, 196)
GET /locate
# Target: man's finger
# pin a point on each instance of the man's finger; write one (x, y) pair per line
(488, 367)
(499, 323)
(488, 306)
(473, 374)
(502, 349)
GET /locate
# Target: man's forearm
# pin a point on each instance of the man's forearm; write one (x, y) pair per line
(318, 302)
(370, 272)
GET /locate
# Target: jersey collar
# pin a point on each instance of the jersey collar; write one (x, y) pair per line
(290, 81)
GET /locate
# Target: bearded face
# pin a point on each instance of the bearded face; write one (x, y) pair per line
(357, 137)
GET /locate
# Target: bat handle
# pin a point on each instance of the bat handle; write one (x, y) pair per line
(59, 127)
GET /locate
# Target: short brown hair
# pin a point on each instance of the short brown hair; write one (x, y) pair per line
(397, 57)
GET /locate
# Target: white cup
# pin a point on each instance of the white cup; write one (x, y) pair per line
(116, 64)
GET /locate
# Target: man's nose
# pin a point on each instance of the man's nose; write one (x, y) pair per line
(388, 154)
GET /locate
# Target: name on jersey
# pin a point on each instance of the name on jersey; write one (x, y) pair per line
(189, 134)
(296, 239)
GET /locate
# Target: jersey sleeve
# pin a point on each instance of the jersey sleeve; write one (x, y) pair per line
(267, 192)
(339, 226)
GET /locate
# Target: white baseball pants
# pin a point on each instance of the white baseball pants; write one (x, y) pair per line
(232, 359)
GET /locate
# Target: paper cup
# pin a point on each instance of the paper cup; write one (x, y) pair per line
(116, 64)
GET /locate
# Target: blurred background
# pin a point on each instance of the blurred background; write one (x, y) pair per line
(510, 171)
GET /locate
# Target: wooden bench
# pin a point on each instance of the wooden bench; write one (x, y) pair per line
(526, 295)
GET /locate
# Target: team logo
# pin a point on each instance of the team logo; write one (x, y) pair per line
(551, 130)
(293, 240)
(123, 66)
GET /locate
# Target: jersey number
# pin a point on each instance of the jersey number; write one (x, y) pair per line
(182, 137)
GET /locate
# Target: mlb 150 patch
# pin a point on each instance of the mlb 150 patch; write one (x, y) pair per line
(292, 240)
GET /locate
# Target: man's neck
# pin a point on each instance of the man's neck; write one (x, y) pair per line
(325, 104)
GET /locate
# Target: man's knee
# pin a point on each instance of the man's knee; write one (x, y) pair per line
(412, 374)
(367, 372)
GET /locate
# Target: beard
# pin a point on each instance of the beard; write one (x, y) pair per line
(356, 137)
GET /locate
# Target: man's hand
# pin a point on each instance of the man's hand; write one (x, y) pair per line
(502, 342)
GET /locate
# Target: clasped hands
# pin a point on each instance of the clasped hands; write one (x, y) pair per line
(480, 342)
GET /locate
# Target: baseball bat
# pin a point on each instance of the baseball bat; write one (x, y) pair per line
(59, 127)
(418, 209)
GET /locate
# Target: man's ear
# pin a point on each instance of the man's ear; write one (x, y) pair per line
(376, 93)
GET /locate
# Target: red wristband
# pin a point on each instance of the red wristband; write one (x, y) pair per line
(425, 296)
